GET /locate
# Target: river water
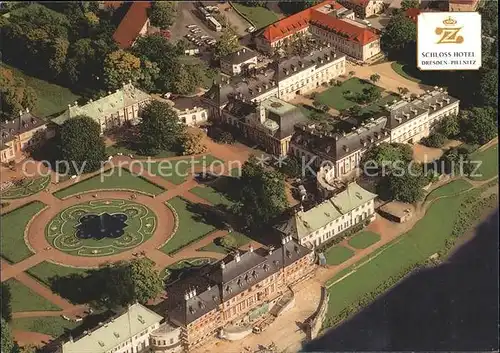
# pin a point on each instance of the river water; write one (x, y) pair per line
(452, 307)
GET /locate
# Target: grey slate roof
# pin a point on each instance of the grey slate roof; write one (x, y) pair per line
(19, 125)
(234, 277)
(335, 146)
(239, 56)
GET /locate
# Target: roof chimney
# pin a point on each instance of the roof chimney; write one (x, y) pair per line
(27, 110)
(20, 113)
(237, 257)
(250, 248)
(186, 296)
(222, 265)
(238, 53)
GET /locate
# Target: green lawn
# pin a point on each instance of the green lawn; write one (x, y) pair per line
(24, 299)
(129, 150)
(26, 187)
(258, 15)
(489, 163)
(52, 326)
(52, 98)
(177, 171)
(334, 96)
(363, 240)
(338, 254)
(376, 107)
(13, 224)
(211, 195)
(44, 271)
(427, 237)
(191, 226)
(240, 240)
(405, 70)
(119, 178)
(449, 189)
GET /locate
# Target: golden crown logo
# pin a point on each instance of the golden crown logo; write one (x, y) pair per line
(450, 21)
(449, 34)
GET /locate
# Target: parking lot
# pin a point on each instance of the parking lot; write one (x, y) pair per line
(186, 16)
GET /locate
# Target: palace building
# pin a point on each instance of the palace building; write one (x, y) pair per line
(18, 134)
(231, 290)
(340, 151)
(283, 79)
(113, 110)
(329, 21)
(310, 228)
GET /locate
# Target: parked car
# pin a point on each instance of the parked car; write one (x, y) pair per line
(191, 26)
(251, 29)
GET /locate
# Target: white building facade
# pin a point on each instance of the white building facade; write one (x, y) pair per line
(313, 227)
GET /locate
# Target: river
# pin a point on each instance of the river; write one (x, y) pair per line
(452, 307)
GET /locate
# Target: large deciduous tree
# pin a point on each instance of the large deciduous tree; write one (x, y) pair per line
(159, 127)
(121, 67)
(36, 39)
(6, 297)
(163, 13)
(479, 125)
(127, 282)
(449, 126)
(409, 4)
(15, 95)
(192, 143)
(387, 155)
(7, 344)
(406, 186)
(263, 195)
(399, 35)
(81, 144)
(227, 44)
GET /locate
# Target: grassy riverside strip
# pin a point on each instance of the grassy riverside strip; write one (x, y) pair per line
(445, 221)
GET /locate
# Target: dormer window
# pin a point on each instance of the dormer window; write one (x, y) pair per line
(192, 310)
(254, 274)
(276, 262)
(288, 254)
(266, 267)
(202, 305)
(228, 289)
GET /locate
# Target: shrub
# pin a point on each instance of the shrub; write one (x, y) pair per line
(434, 140)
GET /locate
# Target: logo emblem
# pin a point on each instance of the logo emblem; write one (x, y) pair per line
(449, 33)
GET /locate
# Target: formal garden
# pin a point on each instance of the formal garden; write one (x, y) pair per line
(115, 179)
(25, 187)
(101, 227)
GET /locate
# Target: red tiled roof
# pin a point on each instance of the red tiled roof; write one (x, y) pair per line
(412, 14)
(132, 23)
(294, 23)
(301, 20)
(352, 32)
